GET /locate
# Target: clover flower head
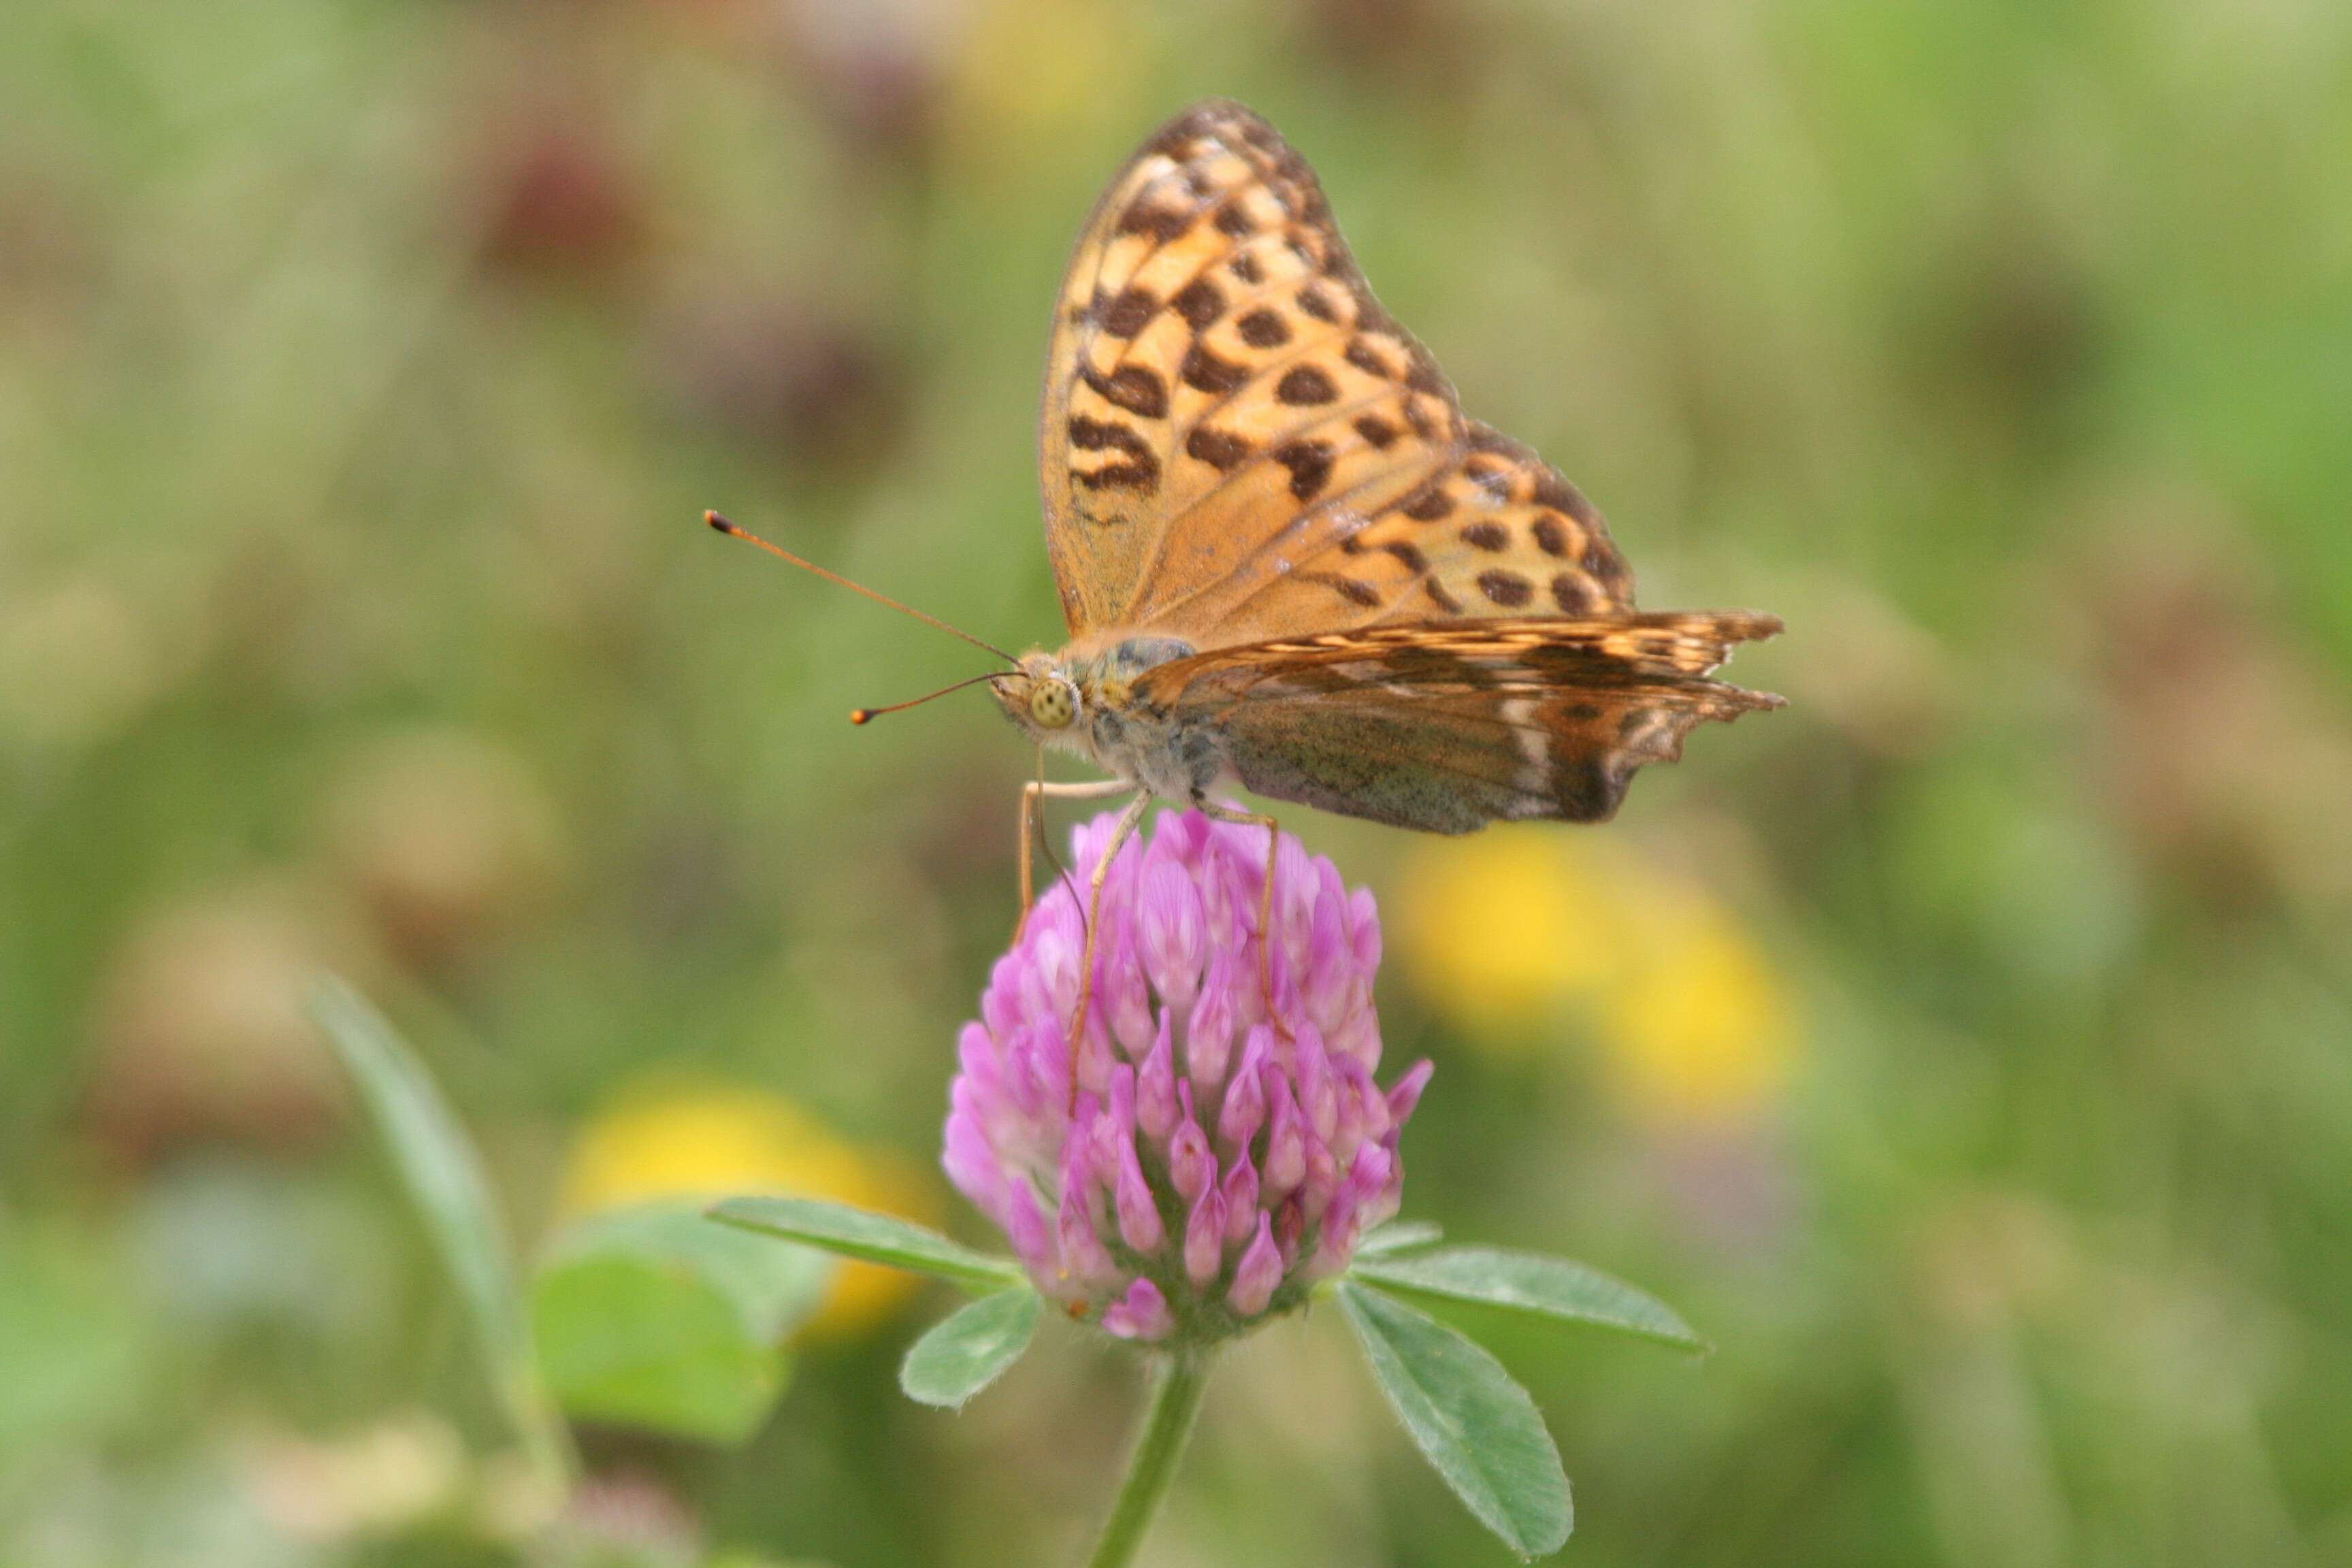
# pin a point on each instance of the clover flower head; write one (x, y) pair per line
(1221, 1157)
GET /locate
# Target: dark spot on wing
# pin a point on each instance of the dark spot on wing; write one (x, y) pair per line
(1138, 472)
(1376, 431)
(1134, 388)
(1128, 314)
(1369, 360)
(1162, 224)
(1315, 302)
(1304, 386)
(1264, 328)
(1220, 449)
(1549, 534)
(1488, 536)
(1360, 593)
(1309, 463)
(1571, 594)
(1212, 371)
(1507, 589)
(1556, 492)
(1430, 505)
(1199, 302)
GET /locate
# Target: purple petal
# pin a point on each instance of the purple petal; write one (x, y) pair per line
(977, 1057)
(1382, 1205)
(1122, 1099)
(1319, 1095)
(1171, 931)
(1289, 1225)
(1141, 1314)
(1155, 1088)
(1349, 1082)
(972, 1166)
(1257, 1274)
(1330, 978)
(1343, 1220)
(1322, 1180)
(1025, 1227)
(1209, 1033)
(1244, 1108)
(1082, 1253)
(1204, 1239)
(1240, 1188)
(1364, 930)
(1405, 1093)
(1094, 1057)
(1037, 1069)
(1138, 1217)
(1285, 1142)
(1360, 1037)
(1192, 1164)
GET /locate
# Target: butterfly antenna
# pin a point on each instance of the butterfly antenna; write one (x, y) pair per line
(867, 715)
(723, 526)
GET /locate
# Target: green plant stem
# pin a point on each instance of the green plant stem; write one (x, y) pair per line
(546, 1440)
(1176, 1387)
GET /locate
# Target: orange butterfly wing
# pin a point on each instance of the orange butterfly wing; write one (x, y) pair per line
(1238, 442)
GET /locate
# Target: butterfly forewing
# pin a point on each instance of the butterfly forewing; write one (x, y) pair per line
(1238, 441)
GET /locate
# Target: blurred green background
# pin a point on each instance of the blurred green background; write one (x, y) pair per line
(1967, 1049)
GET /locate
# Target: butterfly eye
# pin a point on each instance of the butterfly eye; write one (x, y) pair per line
(1052, 704)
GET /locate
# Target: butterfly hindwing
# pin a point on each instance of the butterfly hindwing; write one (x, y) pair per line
(1446, 727)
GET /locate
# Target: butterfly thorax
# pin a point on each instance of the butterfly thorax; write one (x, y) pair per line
(1084, 701)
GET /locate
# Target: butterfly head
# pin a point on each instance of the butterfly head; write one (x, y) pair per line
(1042, 701)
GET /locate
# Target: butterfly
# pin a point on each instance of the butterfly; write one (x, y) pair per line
(1288, 561)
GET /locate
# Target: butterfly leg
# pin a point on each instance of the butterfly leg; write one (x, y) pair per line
(1031, 793)
(1123, 830)
(1265, 895)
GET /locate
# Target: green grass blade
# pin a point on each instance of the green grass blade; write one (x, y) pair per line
(443, 1175)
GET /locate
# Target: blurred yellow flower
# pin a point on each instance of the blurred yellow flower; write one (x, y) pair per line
(1699, 1029)
(1498, 929)
(717, 1141)
(1507, 931)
